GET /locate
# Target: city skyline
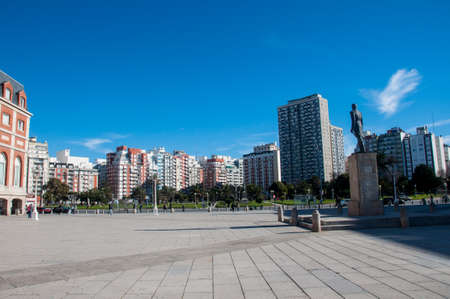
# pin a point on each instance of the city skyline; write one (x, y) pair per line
(97, 84)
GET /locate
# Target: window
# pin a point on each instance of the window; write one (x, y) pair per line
(22, 102)
(5, 119)
(17, 174)
(20, 125)
(2, 169)
(8, 94)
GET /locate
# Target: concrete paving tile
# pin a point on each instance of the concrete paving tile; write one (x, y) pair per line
(424, 294)
(437, 287)
(384, 291)
(201, 274)
(320, 293)
(359, 296)
(197, 295)
(228, 291)
(410, 276)
(374, 272)
(199, 286)
(399, 284)
(259, 294)
(254, 283)
(169, 292)
(358, 278)
(144, 287)
(286, 290)
(308, 281)
(445, 278)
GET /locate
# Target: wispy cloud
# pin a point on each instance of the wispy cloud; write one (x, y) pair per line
(100, 144)
(439, 123)
(446, 139)
(245, 144)
(389, 100)
(94, 143)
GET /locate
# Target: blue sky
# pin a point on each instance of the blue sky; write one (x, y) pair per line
(207, 76)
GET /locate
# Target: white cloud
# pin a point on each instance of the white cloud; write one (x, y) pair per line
(94, 143)
(389, 100)
(446, 139)
(439, 123)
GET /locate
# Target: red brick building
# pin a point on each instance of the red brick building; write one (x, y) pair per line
(14, 132)
(126, 169)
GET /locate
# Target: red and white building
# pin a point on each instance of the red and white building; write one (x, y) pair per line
(126, 168)
(262, 167)
(14, 132)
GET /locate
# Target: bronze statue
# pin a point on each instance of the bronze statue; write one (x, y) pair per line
(357, 128)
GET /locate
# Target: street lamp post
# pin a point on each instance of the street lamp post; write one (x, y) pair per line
(36, 177)
(155, 192)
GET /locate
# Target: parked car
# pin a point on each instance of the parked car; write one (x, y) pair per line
(390, 201)
(44, 210)
(59, 210)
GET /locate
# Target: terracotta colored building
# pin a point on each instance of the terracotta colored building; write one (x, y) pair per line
(14, 132)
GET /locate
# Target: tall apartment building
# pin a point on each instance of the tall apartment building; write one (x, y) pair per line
(391, 144)
(215, 172)
(262, 167)
(234, 169)
(15, 120)
(38, 167)
(447, 158)
(126, 169)
(305, 139)
(424, 148)
(100, 165)
(164, 166)
(337, 150)
(77, 172)
(223, 170)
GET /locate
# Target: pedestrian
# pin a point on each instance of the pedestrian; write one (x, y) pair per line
(110, 209)
(424, 201)
(29, 211)
(182, 207)
(140, 208)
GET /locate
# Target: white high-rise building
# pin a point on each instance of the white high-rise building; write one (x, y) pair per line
(38, 167)
(427, 149)
(77, 172)
(337, 150)
(305, 146)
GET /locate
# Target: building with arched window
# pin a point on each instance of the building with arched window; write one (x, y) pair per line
(14, 131)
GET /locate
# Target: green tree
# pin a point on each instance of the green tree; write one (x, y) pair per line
(341, 186)
(253, 191)
(290, 191)
(303, 187)
(425, 179)
(55, 191)
(279, 189)
(139, 194)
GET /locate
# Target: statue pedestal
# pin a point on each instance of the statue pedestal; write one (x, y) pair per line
(364, 195)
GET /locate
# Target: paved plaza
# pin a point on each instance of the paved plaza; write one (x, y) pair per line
(197, 255)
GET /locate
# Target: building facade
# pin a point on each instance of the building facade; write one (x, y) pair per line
(447, 158)
(305, 139)
(15, 126)
(38, 167)
(262, 167)
(77, 172)
(391, 144)
(337, 150)
(126, 168)
(424, 148)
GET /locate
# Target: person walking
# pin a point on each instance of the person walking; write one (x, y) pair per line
(29, 211)
(110, 209)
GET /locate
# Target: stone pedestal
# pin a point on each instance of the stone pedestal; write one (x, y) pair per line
(364, 195)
